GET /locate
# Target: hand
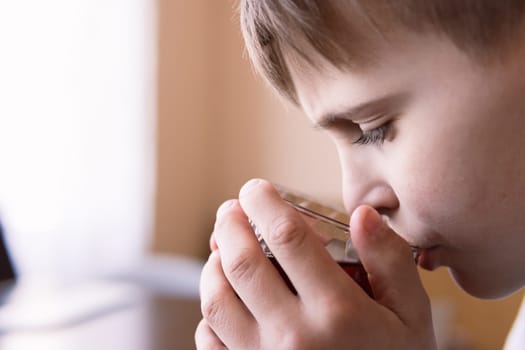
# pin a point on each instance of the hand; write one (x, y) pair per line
(247, 305)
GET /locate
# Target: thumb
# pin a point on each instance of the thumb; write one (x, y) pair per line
(391, 267)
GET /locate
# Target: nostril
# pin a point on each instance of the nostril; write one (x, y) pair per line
(386, 212)
(381, 197)
(374, 192)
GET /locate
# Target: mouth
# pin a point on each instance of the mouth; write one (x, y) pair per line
(426, 257)
(415, 252)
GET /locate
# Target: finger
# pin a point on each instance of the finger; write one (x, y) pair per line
(299, 251)
(206, 339)
(246, 267)
(213, 243)
(222, 310)
(391, 268)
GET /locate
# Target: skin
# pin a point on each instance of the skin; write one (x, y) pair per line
(448, 175)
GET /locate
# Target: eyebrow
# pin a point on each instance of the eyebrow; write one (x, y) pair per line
(363, 110)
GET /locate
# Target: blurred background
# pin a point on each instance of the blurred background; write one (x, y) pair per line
(125, 123)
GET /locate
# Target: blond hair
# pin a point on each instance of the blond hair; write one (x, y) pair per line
(341, 31)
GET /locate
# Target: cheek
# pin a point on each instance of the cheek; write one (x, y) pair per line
(438, 193)
(426, 197)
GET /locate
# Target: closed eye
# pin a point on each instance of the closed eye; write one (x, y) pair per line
(375, 136)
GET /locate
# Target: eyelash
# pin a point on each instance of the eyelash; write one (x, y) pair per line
(375, 136)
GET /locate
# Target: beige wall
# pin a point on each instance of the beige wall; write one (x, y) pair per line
(218, 126)
(480, 324)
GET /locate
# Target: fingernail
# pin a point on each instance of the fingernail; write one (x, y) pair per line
(373, 224)
(248, 186)
(224, 206)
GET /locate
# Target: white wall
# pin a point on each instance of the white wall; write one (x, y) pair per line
(77, 128)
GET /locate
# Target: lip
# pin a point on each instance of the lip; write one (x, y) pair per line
(427, 258)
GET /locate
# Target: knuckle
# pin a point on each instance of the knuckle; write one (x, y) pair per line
(201, 328)
(240, 267)
(294, 340)
(334, 311)
(212, 308)
(286, 230)
(200, 334)
(205, 339)
(292, 333)
(330, 302)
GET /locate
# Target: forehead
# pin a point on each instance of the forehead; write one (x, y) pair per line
(412, 65)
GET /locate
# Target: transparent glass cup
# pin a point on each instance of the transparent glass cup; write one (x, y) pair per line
(329, 225)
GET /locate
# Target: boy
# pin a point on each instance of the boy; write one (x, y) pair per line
(423, 101)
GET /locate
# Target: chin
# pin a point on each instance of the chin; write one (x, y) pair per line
(481, 288)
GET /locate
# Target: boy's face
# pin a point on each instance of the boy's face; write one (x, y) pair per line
(450, 173)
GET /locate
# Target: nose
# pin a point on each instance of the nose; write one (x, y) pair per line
(364, 184)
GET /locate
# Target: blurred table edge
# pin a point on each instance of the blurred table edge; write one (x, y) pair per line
(152, 306)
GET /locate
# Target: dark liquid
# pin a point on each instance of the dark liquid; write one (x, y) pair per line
(354, 270)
